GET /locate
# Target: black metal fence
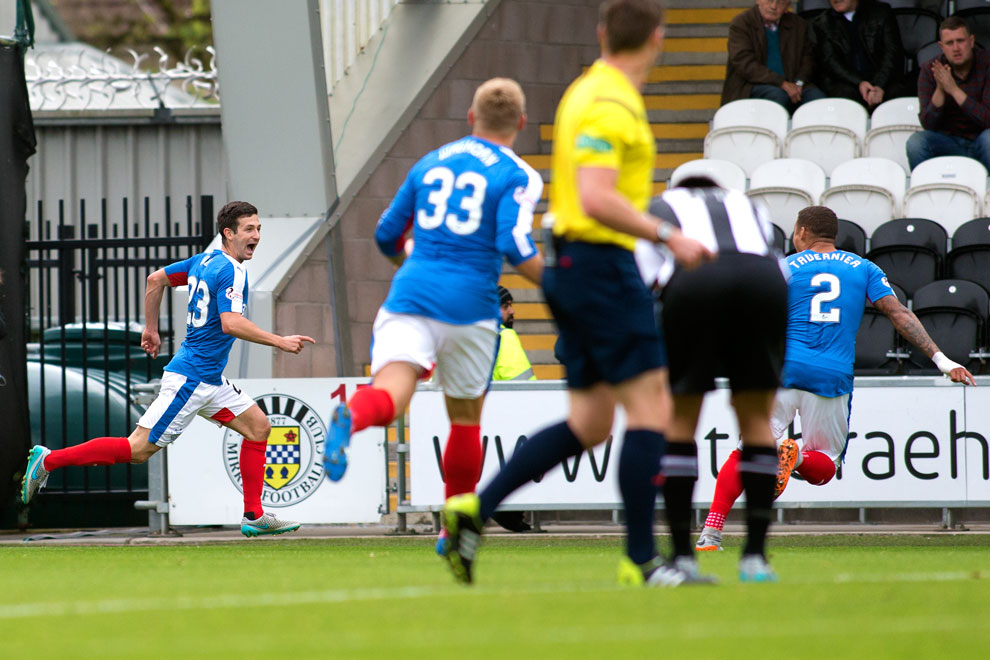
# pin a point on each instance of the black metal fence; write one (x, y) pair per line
(86, 284)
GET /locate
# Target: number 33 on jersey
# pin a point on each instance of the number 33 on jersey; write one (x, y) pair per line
(469, 203)
(217, 283)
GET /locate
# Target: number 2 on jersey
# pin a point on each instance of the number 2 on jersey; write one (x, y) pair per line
(830, 294)
(199, 303)
(438, 198)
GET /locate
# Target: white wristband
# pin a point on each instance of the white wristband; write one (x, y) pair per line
(944, 364)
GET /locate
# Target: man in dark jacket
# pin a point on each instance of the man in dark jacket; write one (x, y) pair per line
(770, 56)
(858, 46)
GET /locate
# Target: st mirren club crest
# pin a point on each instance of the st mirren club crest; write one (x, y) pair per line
(293, 459)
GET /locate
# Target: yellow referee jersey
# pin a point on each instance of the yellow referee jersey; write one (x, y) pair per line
(601, 122)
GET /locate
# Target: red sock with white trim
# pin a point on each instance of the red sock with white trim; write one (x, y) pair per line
(252, 463)
(728, 488)
(816, 468)
(98, 451)
(370, 406)
(462, 460)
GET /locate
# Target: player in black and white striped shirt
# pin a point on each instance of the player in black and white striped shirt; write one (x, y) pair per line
(724, 318)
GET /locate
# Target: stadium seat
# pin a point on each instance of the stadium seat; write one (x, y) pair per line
(867, 190)
(918, 28)
(908, 4)
(977, 17)
(827, 131)
(891, 125)
(954, 312)
(962, 5)
(911, 251)
(785, 186)
(851, 238)
(969, 258)
(728, 174)
(780, 239)
(879, 351)
(948, 190)
(811, 8)
(747, 132)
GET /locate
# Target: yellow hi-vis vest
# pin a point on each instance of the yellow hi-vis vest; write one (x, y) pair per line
(511, 363)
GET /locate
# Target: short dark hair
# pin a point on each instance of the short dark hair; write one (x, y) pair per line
(629, 23)
(820, 221)
(229, 215)
(698, 181)
(952, 23)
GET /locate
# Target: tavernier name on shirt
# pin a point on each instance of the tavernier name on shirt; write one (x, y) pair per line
(807, 257)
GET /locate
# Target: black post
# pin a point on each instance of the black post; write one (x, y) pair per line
(66, 276)
(206, 228)
(17, 143)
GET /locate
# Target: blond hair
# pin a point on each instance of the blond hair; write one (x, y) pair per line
(498, 106)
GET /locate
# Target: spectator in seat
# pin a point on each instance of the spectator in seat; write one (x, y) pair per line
(859, 52)
(770, 56)
(954, 99)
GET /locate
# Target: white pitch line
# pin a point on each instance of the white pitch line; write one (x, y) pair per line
(278, 598)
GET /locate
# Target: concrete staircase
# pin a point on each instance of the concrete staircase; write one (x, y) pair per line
(681, 96)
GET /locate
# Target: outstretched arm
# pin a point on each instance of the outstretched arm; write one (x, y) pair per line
(154, 289)
(236, 325)
(908, 325)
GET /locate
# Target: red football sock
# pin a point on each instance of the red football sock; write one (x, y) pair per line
(816, 468)
(252, 464)
(728, 488)
(98, 451)
(370, 406)
(462, 460)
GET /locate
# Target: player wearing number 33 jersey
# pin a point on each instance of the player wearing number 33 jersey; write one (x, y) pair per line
(469, 205)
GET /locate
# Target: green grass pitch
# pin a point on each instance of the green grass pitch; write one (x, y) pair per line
(873, 596)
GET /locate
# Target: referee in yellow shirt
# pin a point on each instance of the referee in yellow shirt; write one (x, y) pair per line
(602, 179)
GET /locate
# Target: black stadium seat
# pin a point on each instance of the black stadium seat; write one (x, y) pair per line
(969, 258)
(918, 28)
(811, 8)
(851, 238)
(954, 312)
(978, 20)
(910, 250)
(876, 337)
(962, 5)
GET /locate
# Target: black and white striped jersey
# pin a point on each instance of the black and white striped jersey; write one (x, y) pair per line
(722, 220)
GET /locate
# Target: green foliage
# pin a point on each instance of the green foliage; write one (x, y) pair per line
(896, 596)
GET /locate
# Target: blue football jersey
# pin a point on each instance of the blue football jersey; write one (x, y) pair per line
(217, 283)
(825, 300)
(469, 203)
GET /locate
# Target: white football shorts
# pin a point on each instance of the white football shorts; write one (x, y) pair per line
(824, 420)
(462, 356)
(181, 399)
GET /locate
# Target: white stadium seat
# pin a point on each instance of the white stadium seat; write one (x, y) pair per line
(892, 123)
(785, 186)
(827, 131)
(868, 191)
(723, 172)
(948, 190)
(747, 132)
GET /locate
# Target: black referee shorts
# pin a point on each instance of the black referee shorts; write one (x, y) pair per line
(604, 315)
(726, 318)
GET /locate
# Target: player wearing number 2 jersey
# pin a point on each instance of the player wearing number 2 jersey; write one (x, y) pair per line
(468, 203)
(827, 293)
(193, 382)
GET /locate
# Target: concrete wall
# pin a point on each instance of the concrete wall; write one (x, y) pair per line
(543, 44)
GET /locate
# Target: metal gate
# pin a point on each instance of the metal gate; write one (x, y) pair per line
(86, 283)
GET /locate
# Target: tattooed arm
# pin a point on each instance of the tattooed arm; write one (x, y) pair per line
(908, 325)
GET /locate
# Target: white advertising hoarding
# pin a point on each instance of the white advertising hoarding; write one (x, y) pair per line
(204, 485)
(917, 443)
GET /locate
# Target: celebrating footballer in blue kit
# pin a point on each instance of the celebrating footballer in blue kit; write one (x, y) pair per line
(469, 204)
(193, 383)
(827, 293)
